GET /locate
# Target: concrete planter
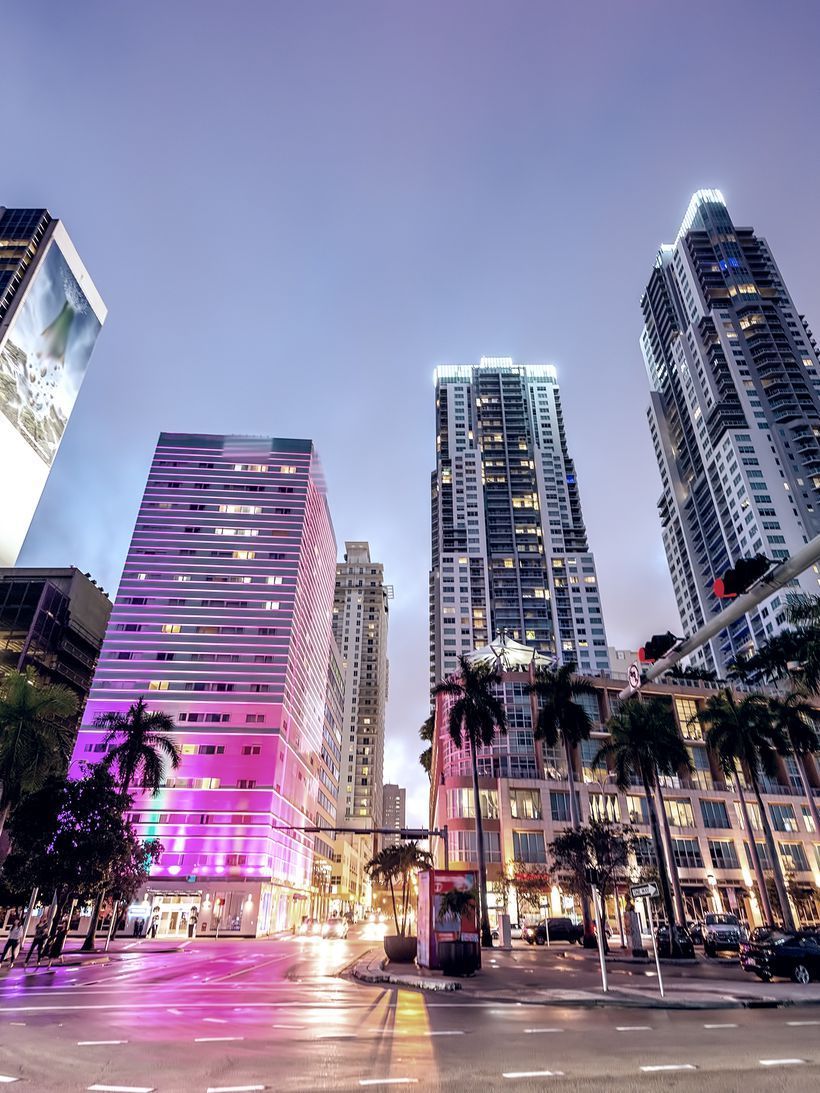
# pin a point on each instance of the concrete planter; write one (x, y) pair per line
(459, 957)
(400, 950)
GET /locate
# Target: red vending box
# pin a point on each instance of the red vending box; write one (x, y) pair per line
(433, 883)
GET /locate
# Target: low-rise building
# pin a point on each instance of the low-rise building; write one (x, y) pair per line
(525, 802)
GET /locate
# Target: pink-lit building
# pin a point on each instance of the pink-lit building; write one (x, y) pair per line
(223, 621)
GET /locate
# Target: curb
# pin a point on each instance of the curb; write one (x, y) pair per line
(365, 973)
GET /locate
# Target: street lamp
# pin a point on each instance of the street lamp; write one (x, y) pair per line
(711, 880)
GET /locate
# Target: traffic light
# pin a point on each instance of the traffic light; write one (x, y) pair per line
(741, 577)
(657, 646)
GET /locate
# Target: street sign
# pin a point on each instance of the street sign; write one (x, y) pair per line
(640, 890)
(634, 674)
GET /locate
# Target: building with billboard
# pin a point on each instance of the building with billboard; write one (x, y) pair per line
(509, 544)
(50, 317)
(525, 804)
(223, 621)
(734, 415)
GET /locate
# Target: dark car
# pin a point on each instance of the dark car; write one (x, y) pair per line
(560, 929)
(788, 954)
(685, 949)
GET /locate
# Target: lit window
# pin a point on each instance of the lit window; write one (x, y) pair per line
(288, 470)
(170, 628)
(275, 580)
(158, 685)
(272, 605)
(245, 555)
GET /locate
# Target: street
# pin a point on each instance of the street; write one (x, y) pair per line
(275, 1015)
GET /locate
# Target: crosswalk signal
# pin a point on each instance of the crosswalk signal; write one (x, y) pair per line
(657, 647)
(741, 577)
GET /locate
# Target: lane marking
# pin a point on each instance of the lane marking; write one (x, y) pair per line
(5, 1079)
(669, 1066)
(543, 1030)
(215, 1039)
(287, 1026)
(123, 1088)
(93, 1043)
(633, 1028)
(388, 1081)
(782, 1062)
(794, 1024)
(442, 1032)
(233, 1088)
(727, 1024)
(533, 1074)
(215, 1020)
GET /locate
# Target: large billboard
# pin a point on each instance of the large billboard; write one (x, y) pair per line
(46, 353)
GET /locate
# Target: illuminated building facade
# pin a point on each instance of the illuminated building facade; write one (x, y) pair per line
(394, 810)
(735, 419)
(509, 545)
(50, 316)
(223, 621)
(525, 804)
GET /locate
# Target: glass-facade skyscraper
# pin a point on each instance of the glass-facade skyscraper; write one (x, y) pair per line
(734, 415)
(223, 621)
(50, 316)
(509, 545)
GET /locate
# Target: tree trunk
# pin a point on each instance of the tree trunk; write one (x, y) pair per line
(395, 911)
(486, 933)
(804, 780)
(674, 875)
(779, 882)
(88, 945)
(575, 818)
(660, 856)
(765, 905)
(4, 815)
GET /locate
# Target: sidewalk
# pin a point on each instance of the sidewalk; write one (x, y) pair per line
(504, 982)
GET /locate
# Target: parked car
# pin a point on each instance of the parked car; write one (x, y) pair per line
(793, 955)
(685, 948)
(560, 929)
(335, 927)
(722, 933)
(515, 932)
(695, 932)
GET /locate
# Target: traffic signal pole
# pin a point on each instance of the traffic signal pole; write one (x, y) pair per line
(792, 567)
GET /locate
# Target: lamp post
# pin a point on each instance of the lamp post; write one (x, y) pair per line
(711, 880)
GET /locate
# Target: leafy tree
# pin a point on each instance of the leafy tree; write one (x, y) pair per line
(704, 675)
(35, 741)
(398, 862)
(531, 881)
(474, 716)
(645, 743)
(792, 655)
(426, 734)
(600, 845)
(745, 732)
(139, 746)
(73, 837)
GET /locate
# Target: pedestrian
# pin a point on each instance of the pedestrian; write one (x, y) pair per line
(192, 921)
(38, 941)
(152, 929)
(13, 940)
(55, 949)
(136, 929)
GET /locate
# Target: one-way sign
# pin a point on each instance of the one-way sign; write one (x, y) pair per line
(639, 890)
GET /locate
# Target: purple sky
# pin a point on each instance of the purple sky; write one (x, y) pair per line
(294, 211)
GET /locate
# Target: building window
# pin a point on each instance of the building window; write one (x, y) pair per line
(679, 813)
(714, 814)
(605, 806)
(525, 804)
(638, 810)
(559, 805)
(783, 818)
(723, 854)
(687, 711)
(529, 846)
(793, 856)
(686, 853)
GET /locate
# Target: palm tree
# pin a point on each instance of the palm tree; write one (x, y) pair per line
(644, 743)
(398, 862)
(795, 719)
(426, 734)
(745, 732)
(475, 714)
(138, 746)
(35, 741)
(560, 717)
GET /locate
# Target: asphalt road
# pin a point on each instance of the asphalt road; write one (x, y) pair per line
(243, 1016)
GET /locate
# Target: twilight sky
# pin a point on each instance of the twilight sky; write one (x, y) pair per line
(294, 211)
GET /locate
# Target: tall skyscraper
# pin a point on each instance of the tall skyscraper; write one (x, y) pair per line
(735, 417)
(394, 810)
(510, 549)
(223, 620)
(360, 616)
(50, 316)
